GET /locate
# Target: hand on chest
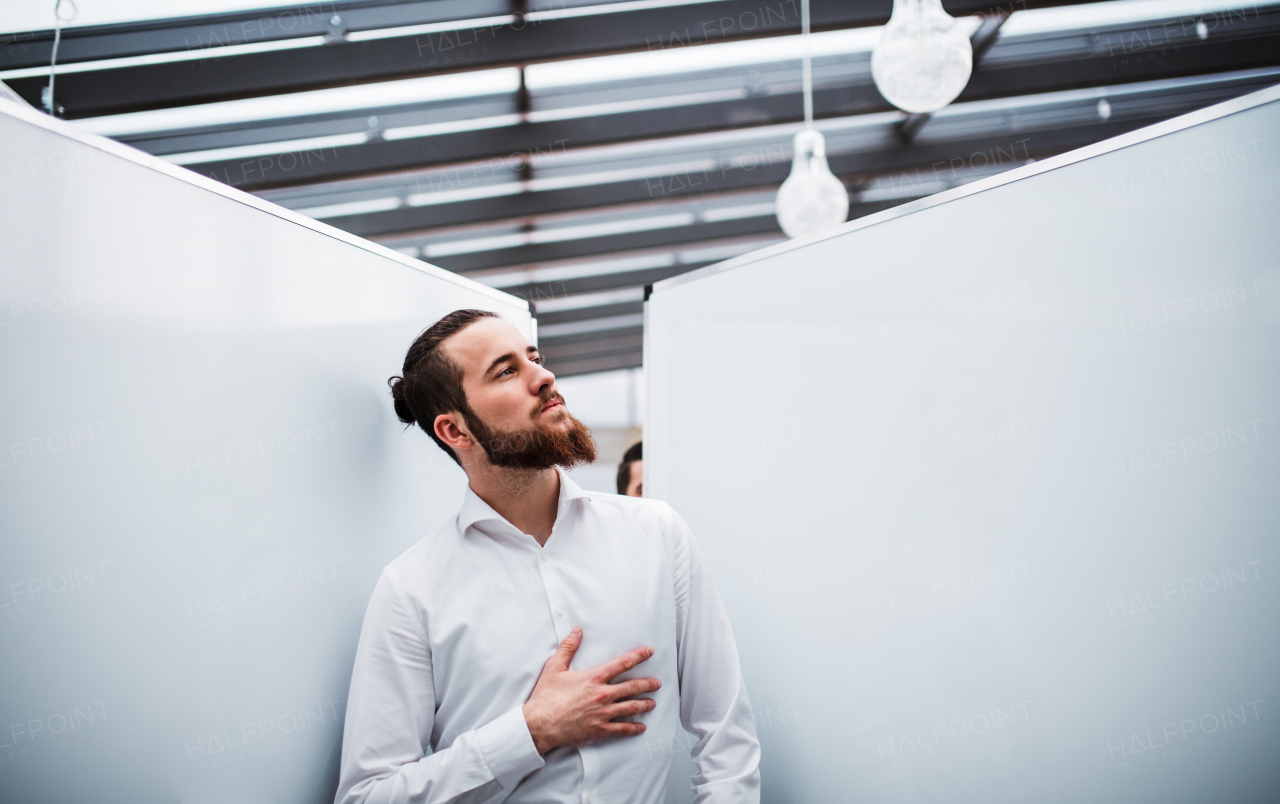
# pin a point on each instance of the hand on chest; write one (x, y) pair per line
(508, 603)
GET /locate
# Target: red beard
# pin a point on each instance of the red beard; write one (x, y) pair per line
(539, 446)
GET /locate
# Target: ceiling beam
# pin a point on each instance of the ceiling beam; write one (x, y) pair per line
(537, 290)
(1013, 67)
(252, 27)
(342, 61)
(760, 227)
(595, 352)
(588, 313)
(593, 364)
(934, 156)
(606, 244)
(856, 168)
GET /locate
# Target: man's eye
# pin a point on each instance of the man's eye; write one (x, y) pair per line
(506, 370)
(538, 360)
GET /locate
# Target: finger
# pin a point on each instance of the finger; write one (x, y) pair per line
(564, 654)
(629, 708)
(623, 663)
(636, 686)
(621, 729)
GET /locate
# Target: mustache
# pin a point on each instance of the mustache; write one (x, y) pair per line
(544, 399)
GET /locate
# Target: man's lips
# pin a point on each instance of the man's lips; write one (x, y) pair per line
(552, 405)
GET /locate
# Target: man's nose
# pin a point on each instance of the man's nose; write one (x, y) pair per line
(541, 378)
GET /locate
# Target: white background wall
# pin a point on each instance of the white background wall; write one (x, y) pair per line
(201, 477)
(989, 488)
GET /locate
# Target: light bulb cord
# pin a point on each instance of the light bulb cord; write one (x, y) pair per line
(53, 66)
(808, 66)
(49, 104)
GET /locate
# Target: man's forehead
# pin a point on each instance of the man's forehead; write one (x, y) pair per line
(478, 345)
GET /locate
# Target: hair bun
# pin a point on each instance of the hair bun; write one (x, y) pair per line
(402, 406)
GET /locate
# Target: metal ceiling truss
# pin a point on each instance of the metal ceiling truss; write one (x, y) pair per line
(860, 148)
(712, 100)
(996, 136)
(339, 44)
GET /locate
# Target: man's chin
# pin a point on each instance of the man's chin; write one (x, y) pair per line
(557, 416)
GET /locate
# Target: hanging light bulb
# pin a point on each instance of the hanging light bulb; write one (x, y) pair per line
(924, 58)
(811, 199)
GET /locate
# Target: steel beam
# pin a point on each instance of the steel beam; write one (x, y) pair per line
(253, 27)
(1035, 139)
(340, 61)
(1016, 66)
(557, 288)
(616, 350)
(607, 244)
(667, 239)
(591, 365)
(588, 313)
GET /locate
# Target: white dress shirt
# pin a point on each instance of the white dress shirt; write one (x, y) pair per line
(459, 627)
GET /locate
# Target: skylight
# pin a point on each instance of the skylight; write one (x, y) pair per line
(700, 57)
(573, 72)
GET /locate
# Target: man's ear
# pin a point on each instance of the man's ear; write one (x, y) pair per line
(452, 430)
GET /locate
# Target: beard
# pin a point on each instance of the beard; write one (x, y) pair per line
(539, 446)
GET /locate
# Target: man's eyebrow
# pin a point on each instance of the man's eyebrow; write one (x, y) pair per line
(499, 361)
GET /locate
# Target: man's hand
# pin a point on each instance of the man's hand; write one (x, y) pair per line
(570, 707)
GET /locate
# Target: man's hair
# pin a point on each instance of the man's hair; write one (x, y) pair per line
(624, 468)
(430, 383)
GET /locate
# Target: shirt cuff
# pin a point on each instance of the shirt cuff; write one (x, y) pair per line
(508, 748)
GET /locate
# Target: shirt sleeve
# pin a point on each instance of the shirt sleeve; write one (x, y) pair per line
(390, 715)
(713, 698)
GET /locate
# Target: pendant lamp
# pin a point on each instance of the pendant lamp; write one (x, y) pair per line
(811, 199)
(924, 57)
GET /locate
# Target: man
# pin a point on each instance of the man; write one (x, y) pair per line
(453, 697)
(631, 471)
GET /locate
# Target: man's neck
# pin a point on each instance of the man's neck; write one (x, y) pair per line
(527, 498)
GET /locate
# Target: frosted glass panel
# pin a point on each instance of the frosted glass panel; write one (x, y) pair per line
(991, 487)
(200, 477)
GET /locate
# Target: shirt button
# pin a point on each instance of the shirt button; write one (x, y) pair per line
(543, 555)
(559, 612)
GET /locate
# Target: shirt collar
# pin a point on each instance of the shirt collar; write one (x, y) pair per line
(476, 510)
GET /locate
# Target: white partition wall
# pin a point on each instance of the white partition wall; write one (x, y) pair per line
(201, 474)
(991, 482)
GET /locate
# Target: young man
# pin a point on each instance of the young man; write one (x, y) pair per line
(454, 698)
(631, 471)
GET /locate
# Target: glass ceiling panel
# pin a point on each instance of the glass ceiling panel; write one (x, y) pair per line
(711, 151)
(37, 15)
(555, 76)
(830, 43)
